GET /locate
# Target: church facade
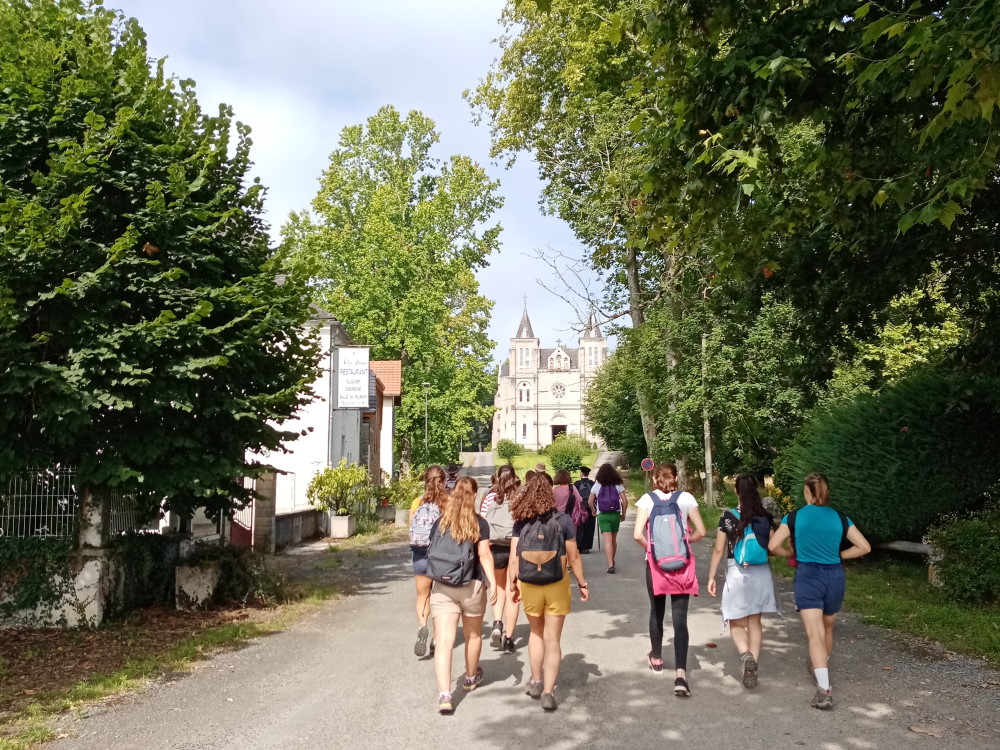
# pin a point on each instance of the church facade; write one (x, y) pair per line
(540, 392)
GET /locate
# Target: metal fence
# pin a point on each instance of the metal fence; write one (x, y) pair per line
(126, 516)
(39, 503)
(244, 516)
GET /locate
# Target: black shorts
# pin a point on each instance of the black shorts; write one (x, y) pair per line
(501, 555)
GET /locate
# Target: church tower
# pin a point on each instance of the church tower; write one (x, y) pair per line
(593, 348)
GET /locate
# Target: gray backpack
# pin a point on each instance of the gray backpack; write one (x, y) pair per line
(448, 561)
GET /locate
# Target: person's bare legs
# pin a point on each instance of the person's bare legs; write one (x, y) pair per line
(820, 638)
(755, 633)
(510, 613)
(610, 546)
(828, 622)
(740, 636)
(423, 598)
(445, 629)
(553, 651)
(536, 646)
(472, 629)
(502, 594)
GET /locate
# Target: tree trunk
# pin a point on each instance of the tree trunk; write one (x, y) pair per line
(643, 399)
(709, 488)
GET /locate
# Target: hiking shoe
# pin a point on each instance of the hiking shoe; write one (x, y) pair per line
(823, 700)
(749, 670)
(444, 704)
(534, 689)
(496, 637)
(549, 702)
(420, 647)
(508, 645)
(611, 570)
(430, 649)
(471, 683)
(681, 689)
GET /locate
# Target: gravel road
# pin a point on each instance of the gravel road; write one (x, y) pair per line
(346, 677)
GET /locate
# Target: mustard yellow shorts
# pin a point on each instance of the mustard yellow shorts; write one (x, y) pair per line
(546, 599)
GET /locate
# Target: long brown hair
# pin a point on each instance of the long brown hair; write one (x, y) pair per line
(505, 483)
(434, 491)
(536, 499)
(750, 503)
(563, 477)
(459, 516)
(819, 486)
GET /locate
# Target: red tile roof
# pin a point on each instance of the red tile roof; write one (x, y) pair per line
(390, 372)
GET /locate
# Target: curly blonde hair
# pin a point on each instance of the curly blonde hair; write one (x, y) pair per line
(535, 500)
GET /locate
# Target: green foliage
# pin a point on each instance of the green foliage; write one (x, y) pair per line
(342, 489)
(144, 567)
(967, 556)
(611, 405)
(391, 248)
(508, 450)
(142, 337)
(899, 459)
(35, 575)
(567, 452)
(404, 489)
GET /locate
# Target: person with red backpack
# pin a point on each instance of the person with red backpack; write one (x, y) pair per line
(424, 511)
(542, 552)
(610, 503)
(460, 563)
(662, 529)
(744, 534)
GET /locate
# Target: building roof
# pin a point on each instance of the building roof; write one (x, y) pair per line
(390, 372)
(524, 330)
(544, 354)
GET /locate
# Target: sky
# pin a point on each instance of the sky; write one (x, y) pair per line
(298, 71)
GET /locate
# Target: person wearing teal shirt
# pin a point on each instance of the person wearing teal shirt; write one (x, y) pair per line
(819, 576)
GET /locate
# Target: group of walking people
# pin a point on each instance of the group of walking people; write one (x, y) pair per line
(518, 547)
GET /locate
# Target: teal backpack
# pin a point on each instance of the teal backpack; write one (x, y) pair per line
(748, 550)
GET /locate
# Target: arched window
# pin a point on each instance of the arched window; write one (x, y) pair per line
(524, 430)
(529, 395)
(520, 396)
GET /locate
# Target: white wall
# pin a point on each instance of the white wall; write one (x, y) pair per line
(388, 424)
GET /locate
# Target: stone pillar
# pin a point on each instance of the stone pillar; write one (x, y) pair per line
(263, 512)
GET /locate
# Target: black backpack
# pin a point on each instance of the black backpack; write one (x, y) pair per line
(541, 550)
(448, 561)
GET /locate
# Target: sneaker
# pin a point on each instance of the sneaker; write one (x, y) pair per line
(749, 670)
(653, 666)
(471, 683)
(508, 645)
(430, 648)
(534, 689)
(611, 570)
(444, 704)
(420, 647)
(496, 637)
(823, 700)
(681, 689)
(549, 702)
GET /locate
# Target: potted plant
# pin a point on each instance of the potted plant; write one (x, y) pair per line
(337, 490)
(404, 490)
(385, 508)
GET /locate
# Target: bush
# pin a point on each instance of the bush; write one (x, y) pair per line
(899, 459)
(403, 490)
(567, 452)
(508, 450)
(967, 556)
(343, 488)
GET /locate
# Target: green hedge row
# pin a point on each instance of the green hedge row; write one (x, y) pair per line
(898, 460)
(967, 556)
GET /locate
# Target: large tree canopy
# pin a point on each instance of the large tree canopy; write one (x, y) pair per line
(391, 248)
(142, 336)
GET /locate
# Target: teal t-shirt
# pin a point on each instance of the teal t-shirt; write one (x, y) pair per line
(818, 531)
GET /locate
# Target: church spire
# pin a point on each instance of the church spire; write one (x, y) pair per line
(593, 330)
(524, 330)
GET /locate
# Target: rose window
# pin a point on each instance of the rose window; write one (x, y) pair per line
(558, 390)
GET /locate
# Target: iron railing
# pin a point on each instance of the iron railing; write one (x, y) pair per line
(39, 503)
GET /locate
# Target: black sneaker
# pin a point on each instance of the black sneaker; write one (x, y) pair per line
(611, 570)
(681, 689)
(508, 645)
(496, 637)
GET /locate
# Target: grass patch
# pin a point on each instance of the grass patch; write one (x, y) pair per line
(893, 593)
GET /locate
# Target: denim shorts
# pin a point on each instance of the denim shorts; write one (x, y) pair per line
(819, 586)
(419, 560)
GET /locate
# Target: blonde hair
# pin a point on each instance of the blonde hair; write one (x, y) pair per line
(819, 488)
(459, 517)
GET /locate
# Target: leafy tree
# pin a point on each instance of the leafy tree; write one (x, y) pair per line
(391, 248)
(143, 338)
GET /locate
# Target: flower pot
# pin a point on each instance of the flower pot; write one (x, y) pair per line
(341, 527)
(386, 512)
(403, 518)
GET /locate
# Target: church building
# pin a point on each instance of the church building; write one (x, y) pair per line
(540, 392)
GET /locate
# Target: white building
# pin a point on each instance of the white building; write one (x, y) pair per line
(540, 392)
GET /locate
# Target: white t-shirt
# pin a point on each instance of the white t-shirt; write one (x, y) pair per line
(685, 502)
(596, 490)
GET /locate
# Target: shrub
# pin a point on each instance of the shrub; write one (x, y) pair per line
(342, 488)
(508, 450)
(404, 489)
(967, 556)
(567, 452)
(899, 459)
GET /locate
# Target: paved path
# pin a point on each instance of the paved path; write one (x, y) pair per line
(346, 677)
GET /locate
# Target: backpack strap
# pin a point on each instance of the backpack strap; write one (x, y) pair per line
(791, 527)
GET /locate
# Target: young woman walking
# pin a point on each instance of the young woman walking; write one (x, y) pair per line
(610, 506)
(817, 535)
(743, 538)
(679, 585)
(545, 604)
(467, 601)
(435, 498)
(495, 508)
(568, 498)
